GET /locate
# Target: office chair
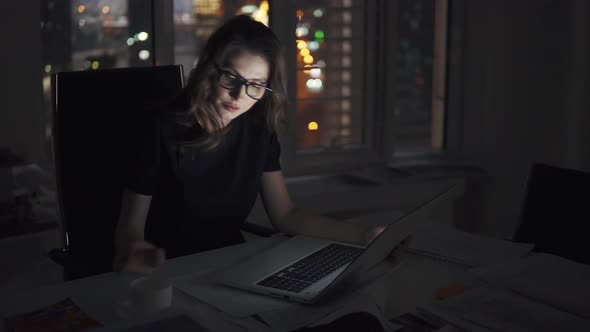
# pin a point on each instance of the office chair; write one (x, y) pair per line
(556, 212)
(95, 113)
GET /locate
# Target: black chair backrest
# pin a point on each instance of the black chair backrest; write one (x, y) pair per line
(95, 114)
(556, 212)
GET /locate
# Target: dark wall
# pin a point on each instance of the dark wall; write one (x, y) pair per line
(21, 100)
(525, 69)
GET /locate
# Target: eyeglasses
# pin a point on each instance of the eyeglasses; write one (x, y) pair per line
(230, 81)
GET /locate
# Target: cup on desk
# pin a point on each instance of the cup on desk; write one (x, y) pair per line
(150, 294)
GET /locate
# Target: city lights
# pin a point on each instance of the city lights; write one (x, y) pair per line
(319, 35)
(318, 13)
(301, 31)
(207, 7)
(345, 91)
(304, 52)
(312, 126)
(315, 72)
(346, 47)
(314, 84)
(345, 119)
(130, 41)
(249, 9)
(144, 54)
(346, 61)
(301, 44)
(346, 32)
(106, 9)
(81, 9)
(261, 14)
(308, 59)
(95, 65)
(142, 36)
(313, 46)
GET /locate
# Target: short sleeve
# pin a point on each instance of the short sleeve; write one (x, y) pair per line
(272, 157)
(143, 161)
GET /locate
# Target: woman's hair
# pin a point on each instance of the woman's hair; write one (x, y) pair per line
(239, 35)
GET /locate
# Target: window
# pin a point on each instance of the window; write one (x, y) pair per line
(370, 81)
(92, 35)
(196, 20)
(367, 78)
(420, 89)
(332, 46)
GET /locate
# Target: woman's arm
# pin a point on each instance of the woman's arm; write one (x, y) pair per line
(131, 224)
(132, 252)
(286, 218)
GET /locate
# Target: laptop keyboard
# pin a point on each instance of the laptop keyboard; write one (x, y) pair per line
(312, 268)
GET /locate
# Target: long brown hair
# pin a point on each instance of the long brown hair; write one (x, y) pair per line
(240, 34)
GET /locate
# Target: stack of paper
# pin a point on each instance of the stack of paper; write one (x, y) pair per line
(282, 315)
(235, 302)
(497, 310)
(446, 243)
(299, 315)
(546, 278)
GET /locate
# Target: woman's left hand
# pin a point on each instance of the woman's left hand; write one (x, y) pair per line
(373, 232)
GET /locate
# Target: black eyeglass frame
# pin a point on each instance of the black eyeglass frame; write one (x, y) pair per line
(243, 82)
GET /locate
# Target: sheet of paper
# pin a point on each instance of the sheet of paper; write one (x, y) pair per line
(498, 310)
(230, 300)
(299, 315)
(180, 323)
(369, 298)
(377, 218)
(446, 243)
(546, 278)
(280, 314)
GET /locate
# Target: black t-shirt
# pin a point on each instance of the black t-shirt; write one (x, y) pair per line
(200, 198)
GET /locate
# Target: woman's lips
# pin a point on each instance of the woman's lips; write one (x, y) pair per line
(231, 108)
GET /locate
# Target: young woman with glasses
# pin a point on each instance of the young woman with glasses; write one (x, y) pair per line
(198, 168)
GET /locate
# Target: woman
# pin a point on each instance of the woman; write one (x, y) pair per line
(201, 165)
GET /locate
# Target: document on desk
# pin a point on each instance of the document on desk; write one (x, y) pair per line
(369, 299)
(546, 278)
(235, 302)
(300, 316)
(282, 315)
(484, 309)
(450, 244)
(377, 218)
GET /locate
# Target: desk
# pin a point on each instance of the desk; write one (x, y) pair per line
(412, 284)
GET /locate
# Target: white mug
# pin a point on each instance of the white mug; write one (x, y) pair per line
(151, 293)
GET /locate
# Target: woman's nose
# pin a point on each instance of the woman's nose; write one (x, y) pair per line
(237, 92)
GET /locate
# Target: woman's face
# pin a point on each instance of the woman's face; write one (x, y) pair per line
(232, 100)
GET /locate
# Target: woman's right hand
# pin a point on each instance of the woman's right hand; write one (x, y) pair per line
(139, 257)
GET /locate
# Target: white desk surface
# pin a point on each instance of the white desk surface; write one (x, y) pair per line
(412, 283)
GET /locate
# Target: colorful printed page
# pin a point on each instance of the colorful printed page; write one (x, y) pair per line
(63, 316)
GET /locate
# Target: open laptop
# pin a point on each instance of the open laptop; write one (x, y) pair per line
(304, 269)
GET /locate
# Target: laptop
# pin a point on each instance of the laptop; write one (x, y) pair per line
(304, 269)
